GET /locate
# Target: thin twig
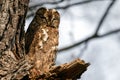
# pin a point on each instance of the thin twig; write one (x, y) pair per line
(83, 49)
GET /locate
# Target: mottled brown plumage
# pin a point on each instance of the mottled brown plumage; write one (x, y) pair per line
(42, 40)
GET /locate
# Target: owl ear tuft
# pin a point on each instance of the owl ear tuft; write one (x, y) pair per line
(41, 11)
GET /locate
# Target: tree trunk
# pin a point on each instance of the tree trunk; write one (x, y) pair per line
(14, 62)
(12, 51)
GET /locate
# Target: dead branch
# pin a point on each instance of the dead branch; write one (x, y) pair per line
(71, 71)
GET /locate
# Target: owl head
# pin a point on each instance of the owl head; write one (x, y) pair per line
(49, 17)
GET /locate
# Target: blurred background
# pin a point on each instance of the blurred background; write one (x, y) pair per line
(89, 30)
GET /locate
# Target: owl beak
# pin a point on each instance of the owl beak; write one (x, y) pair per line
(49, 23)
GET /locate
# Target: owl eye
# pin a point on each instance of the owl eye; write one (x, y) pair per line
(55, 22)
(41, 16)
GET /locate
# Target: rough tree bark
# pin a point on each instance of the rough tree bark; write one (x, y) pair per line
(12, 20)
(14, 62)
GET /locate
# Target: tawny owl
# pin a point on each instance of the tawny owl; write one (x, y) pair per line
(42, 39)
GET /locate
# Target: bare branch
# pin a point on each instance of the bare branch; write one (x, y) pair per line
(61, 7)
(95, 35)
(109, 33)
(88, 39)
(75, 4)
(104, 17)
(37, 5)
